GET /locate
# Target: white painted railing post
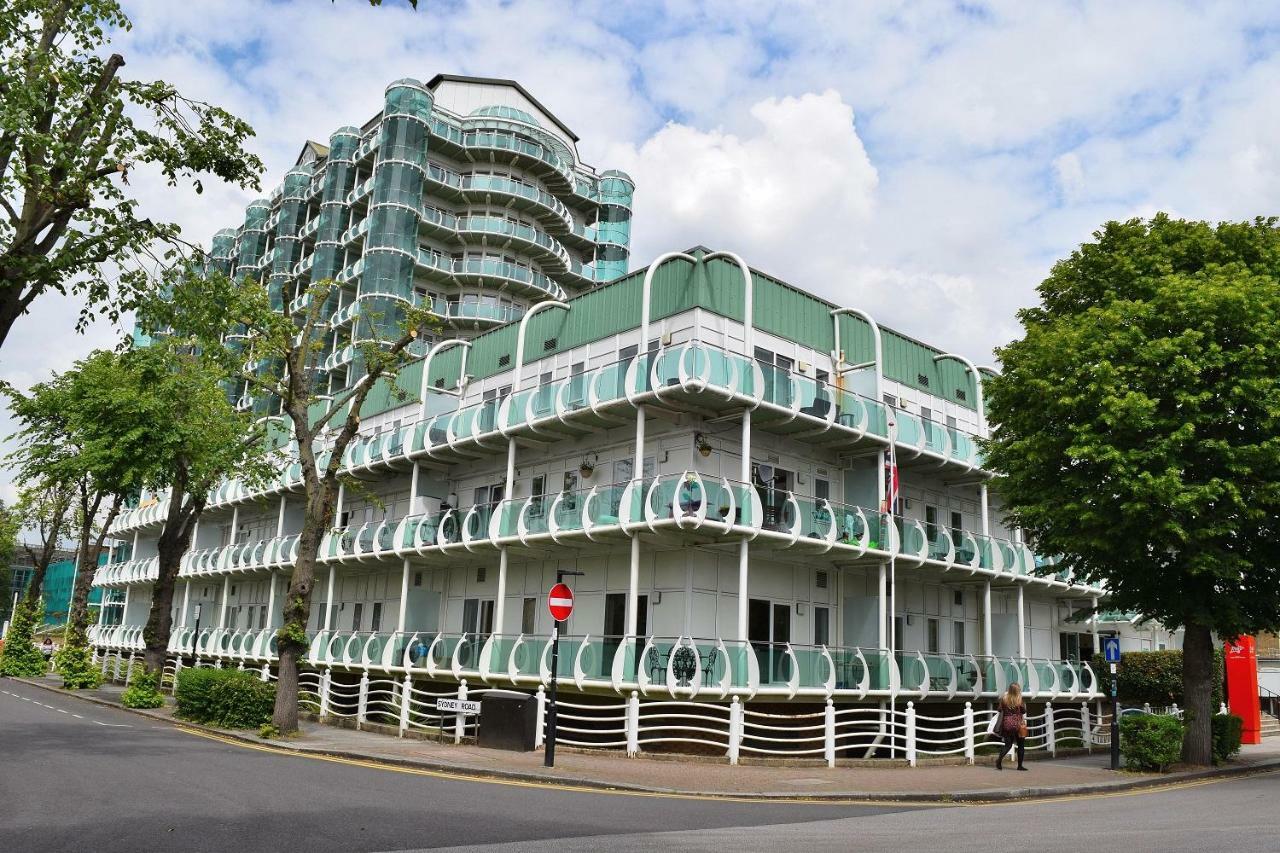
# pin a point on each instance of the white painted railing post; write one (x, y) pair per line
(1086, 726)
(177, 670)
(406, 696)
(911, 734)
(1222, 707)
(735, 730)
(1050, 730)
(969, 736)
(128, 671)
(240, 666)
(106, 660)
(539, 736)
(324, 694)
(265, 673)
(829, 732)
(633, 724)
(362, 704)
(459, 721)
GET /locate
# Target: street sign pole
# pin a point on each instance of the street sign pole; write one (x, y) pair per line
(558, 615)
(1111, 653)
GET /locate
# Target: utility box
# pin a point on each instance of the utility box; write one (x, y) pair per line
(508, 720)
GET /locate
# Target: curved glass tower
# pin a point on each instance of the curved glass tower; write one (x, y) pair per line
(464, 194)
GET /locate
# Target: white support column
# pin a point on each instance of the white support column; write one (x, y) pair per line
(735, 730)
(1022, 624)
(911, 734)
(986, 620)
(459, 720)
(271, 601)
(186, 604)
(829, 733)
(882, 623)
(280, 517)
(982, 502)
(406, 697)
(744, 547)
(1050, 729)
(403, 612)
(1093, 621)
(328, 601)
(1086, 726)
(633, 724)
(222, 607)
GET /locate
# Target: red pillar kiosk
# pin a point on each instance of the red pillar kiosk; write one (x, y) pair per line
(1242, 687)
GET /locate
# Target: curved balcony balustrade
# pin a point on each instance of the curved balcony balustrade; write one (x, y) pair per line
(497, 230)
(676, 667)
(239, 557)
(115, 575)
(500, 274)
(534, 157)
(552, 212)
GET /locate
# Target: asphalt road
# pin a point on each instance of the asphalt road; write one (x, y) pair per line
(76, 776)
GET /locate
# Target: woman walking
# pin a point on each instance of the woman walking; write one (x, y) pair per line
(1012, 725)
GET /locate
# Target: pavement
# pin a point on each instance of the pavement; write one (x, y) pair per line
(77, 776)
(1074, 775)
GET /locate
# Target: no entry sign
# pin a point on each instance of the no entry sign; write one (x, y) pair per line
(560, 602)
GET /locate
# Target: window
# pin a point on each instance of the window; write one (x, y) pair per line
(821, 488)
(375, 624)
(823, 376)
(957, 638)
(957, 522)
(926, 413)
(262, 618)
(821, 626)
(537, 493)
(480, 573)
(890, 401)
(897, 632)
(333, 616)
(417, 578)
(357, 611)
(528, 616)
(931, 636)
(951, 421)
(820, 579)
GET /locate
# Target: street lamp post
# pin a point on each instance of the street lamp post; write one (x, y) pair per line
(195, 636)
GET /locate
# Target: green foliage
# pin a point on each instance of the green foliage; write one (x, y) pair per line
(71, 130)
(143, 691)
(229, 698)
(74, 662)
(1227, 732)
(1153, 678)
(1150, 741)
(268, 731)
(1137, 420)
(20, 657)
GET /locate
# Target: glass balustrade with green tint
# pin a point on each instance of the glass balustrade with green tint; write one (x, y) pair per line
(605, 507)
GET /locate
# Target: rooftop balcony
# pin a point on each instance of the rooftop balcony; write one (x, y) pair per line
(713, 669)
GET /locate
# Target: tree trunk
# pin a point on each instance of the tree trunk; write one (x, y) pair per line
(174, 541)
(78, 611)
(291, 641)
(36, 585)
(1197, 693)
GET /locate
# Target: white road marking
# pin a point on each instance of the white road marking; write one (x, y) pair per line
(61, 711)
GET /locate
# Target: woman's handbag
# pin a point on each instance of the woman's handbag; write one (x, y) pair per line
(1022, 730)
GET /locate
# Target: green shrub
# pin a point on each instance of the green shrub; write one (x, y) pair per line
(143, 691)
(229, 698)
(1227, 731)
(1153, 678)
(21, 658)
(1150, 741)
(75, 664)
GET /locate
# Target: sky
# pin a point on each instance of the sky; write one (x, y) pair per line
(924, 161)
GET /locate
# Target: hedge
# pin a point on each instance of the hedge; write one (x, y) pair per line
(1153, 678)
(1150, 741)
(230, 698)
(1227, 731)
(143, 690)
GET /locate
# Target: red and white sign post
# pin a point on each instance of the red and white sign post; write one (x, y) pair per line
(560, 605)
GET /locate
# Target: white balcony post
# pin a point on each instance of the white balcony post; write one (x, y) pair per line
(177, 670)
(362, 703)
(1086, 726)
(459, 721)
(633, 724)
(186, 603)
(406, 699)
(911, 734)
(969, 734)
(539, 735)
(128, 671)
(1050, 730)
(265, 673)
(735, 730)
(1022, 625)
(404, 597)
(829, 733)
(324, 693)
(271, 600)
(1093, 621)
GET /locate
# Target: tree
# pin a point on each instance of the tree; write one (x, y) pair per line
(170, 395)
(1138, 430)
(44, 509)
(65, 441)
(278, 359)
(71, 130)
